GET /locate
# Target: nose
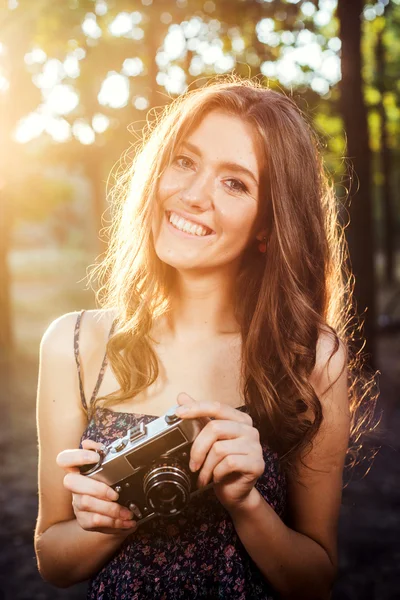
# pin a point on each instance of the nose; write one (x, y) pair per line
(198, 193)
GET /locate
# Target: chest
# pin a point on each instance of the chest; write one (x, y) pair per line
(206, 370)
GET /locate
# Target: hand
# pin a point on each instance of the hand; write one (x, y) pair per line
(93, 502)
(228, 449)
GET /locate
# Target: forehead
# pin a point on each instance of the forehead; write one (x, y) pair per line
(224, 137)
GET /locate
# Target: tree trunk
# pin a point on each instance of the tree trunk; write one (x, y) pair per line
(94, 172)
(386, 167)
(360, 234)
(6, 340)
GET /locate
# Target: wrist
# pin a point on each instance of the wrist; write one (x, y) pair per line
(246, 506)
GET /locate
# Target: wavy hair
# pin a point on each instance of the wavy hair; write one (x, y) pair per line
(284, 299)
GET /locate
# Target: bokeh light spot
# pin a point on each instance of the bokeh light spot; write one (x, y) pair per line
(166, 18)
(114, 90)
(36, 55)
(90, 27)
(100, 123)
(121, 25)
(175, 80)
(29, 127)
(71, 67)
(319, 85)
(308, 9)
(101, 8)
(62, 99)
(335, 44)
(174, 43)
(192, 28)
(4, 84)
(132, 67)
(58, 128)
(51, 75)
(83, 132)
(141, 103)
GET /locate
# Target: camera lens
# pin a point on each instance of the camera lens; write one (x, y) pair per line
(167, 486)
(166, 492)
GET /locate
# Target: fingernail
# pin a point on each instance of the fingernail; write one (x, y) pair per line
(125, 514)
(182, 410)
(193, 466)
(112, 494)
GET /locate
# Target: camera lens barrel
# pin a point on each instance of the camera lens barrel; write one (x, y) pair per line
(167, 486)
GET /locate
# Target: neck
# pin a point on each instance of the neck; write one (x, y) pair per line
(203, 304)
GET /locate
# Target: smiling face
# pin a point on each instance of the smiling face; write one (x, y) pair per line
(208, 195)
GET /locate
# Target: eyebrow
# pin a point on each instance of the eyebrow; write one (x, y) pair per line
(225, 164)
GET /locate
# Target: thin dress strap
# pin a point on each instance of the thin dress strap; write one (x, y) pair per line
(78, 359)
(79, 366)
(102, 370)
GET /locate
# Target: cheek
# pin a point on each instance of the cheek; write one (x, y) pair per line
(238, 222)
(168, 186)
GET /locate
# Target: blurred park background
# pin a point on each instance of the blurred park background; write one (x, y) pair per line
(78, 79)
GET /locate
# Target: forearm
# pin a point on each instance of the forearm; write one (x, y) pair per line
(295, 565)
(67, 554)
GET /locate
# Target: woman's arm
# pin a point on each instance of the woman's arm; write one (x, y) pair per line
(297, 566)
(300, 561)
(66, 553)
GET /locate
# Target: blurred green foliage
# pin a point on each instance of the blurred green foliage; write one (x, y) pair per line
(36, 196)
(234, 26)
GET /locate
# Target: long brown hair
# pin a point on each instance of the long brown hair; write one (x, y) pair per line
(284, 299)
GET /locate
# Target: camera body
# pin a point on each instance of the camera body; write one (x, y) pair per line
(149, 466)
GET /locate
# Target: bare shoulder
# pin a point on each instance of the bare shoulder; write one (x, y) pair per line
(58, 338)
(57, 351)
(329, 376)
(331, 354)
(59, 334)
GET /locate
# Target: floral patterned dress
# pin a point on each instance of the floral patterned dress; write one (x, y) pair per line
(196, 554)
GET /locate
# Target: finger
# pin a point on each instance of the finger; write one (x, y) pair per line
(125, 527)
(184, 398)
(239, 463)
(126, 531)
(75, 458)
(86, 503)
(79, 484)
(94, 522)
(216, 410)
(92, 445)
(213, 431)
(218, 453)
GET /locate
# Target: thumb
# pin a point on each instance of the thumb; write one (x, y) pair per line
(184, 398)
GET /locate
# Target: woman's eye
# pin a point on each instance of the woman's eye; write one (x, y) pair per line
(183, 159)
(239, 186)
(185, 163)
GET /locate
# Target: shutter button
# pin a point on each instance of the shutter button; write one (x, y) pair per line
(170, 416)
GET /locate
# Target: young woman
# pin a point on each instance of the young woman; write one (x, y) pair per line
(222, 292)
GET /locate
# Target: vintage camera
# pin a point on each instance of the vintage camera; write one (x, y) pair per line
(149, 466)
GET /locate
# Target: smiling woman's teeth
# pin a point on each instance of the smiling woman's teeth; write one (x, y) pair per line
(187, 226)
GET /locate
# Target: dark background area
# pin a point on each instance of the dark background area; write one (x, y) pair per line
(369, 527)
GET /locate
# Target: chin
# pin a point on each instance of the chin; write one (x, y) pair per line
(174, 259)
(177, 253)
